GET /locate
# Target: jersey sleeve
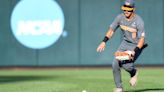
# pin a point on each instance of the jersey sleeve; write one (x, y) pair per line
(115, 23)
(141, 29)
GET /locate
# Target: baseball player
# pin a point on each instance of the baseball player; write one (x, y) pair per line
(132, 27)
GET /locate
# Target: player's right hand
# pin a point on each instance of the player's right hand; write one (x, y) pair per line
(101, 47)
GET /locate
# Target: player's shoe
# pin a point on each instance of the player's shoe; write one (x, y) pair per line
(133, 80)
(118, 90)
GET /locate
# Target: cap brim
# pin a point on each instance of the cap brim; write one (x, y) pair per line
(127, 8)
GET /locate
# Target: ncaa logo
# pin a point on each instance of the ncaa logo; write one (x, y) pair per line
(37, 24)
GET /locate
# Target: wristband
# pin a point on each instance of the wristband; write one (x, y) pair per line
(136, 49)
(105, 39)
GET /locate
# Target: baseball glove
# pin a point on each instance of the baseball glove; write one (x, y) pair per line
(125, 55)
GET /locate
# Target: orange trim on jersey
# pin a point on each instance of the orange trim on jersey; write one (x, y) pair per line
(126, 28)
(129, 29)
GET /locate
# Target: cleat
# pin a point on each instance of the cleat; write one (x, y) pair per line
(133, 80)
(118, 90)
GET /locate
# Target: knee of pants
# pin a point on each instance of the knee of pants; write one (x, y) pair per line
(115, 65)
(128, 66)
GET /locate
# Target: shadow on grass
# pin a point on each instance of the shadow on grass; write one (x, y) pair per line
(19, 78)
(147, 90)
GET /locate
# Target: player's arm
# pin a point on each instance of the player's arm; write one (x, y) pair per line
(113, 27)
(141, 42)
(139, 45)
(108, 36)
(141, 36)
(110, 32)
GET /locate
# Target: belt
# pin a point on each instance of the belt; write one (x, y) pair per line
(125, 62)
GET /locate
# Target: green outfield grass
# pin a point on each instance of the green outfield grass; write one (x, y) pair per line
(76, 80)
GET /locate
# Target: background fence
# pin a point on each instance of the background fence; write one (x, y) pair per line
(86, 22)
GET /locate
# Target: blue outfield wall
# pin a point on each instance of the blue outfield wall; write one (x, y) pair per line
(86, 22)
